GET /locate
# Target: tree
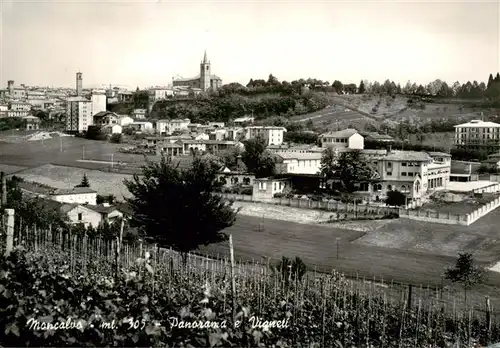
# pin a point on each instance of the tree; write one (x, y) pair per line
(395, 198)
(85, 182)
(94, 133)
(328, 163)
(257, 159)
(490, 81)
(350, 168)
(465, 272)
(361, 89)
(338, 86)
(179, 208)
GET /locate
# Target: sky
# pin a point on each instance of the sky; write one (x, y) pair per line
(146, 43)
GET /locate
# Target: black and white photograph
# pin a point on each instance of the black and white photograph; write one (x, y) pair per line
(320, 174)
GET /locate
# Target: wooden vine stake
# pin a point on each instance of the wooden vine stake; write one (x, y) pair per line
(233, 282)
(119, 240)
(10, 231)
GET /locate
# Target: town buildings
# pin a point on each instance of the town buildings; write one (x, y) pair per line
(477, 134)
(167, 127)
(204, 81)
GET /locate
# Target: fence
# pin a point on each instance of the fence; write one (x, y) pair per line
(375, 210)
(348, 208)
(493, 188)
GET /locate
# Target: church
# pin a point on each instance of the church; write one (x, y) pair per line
(205, 81)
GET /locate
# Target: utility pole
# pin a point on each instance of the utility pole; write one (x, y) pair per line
(83, 152)
(60, 144)
(112, 160)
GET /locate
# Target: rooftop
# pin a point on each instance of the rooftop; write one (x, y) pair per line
(340, 134)
(101, 208)
(407, 156)
(478, 124)
(300, 155)
(73, 191)
(439, 154)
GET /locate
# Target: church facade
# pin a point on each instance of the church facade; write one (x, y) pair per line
(205, 81)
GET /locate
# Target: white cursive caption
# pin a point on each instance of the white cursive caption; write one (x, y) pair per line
(255, 322)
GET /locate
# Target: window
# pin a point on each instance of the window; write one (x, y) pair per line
(389, 173)
(389, 187)
(79, 216)
(410, 173)
(389, 164)
(403, 164)
(403, 173)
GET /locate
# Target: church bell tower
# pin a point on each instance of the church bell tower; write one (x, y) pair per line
(205, 73)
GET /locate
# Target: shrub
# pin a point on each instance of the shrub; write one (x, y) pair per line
(116, 138)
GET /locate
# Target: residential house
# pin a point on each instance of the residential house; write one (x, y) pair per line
(18, 109)
(478, 134)
(112, 129)
(125, 120)
(235, 133)
(201, 136)
(264, 189)
(141, 126)
(271, 135)
(167, 127)
(107, 212)
(299, 162)
(139, 114)
(77, 195)
(158, 93)
(104, 118)
(194, 127)
(32, 122)
(211, 146)
(218, 134)
(348, 138)
(75, 213)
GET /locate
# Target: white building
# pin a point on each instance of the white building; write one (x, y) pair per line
(478, 134)
(98, 103)
(349, 138)
(245, 119)
(216, 124)
(77, 195)
(78, 114)
(141, 126)
(300, 162)
(156, 94)
(271, 135)
(112, 129)
(167, 127)
(125, 120)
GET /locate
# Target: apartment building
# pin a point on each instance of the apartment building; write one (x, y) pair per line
(78, 114)
(211, 146)
(347, 138)
(156, 94)
(105, 118)
(271, 135)
(478, 134)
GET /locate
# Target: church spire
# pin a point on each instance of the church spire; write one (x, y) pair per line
(205, 61)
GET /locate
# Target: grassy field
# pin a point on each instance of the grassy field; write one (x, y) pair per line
(268, 239)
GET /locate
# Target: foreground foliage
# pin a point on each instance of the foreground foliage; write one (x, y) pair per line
(52, 286)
